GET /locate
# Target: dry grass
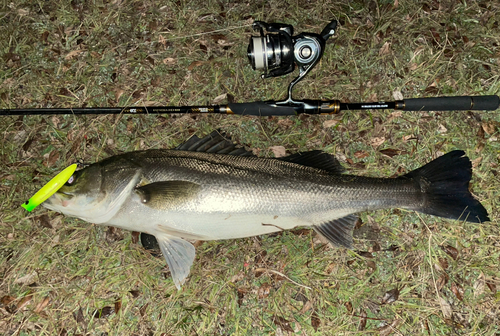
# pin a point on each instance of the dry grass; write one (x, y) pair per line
(55, 272)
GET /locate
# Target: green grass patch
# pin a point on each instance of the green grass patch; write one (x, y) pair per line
(60, 276)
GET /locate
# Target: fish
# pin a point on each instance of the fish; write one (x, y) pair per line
(211, 189)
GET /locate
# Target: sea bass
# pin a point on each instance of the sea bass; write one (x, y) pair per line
(207, 189)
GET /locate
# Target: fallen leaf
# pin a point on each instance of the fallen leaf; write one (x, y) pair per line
(78, 315)
(28, 278)
(390, 296)
(476, 162)
(169, 61)
(114, 234)
(488, 127)
(6, 300)
(435, 34)
(315, 321)
(397, 95)
(479, 285)
(431, 90)
(135, 237)
(278, 151)
(390, 152)
(308, 305)
(118, 306)
(362, 322)
(23, 12)
(219, 38)
(413, 66)
(390, 328)
(457, 290)
(361, 154)
(143, 309)
(385, 50)
(445, 308)
(118, 93)
(43, 221)
(451, 251)
(41, 306)
(492, 287)
(395, 114)
(53, 157)
(443, 263)
(442, 280)
(299, 296)
(348, 306)
(327, 123)
(300, 232)
(241, 295)
(377, 141)
(27, 144)
(406, 138)
(219, 99)
(281, 322)
(264, 290)
(135, 293)
(442, 129)
(365, 254)
(195, 64)
(24, 302)
(103, 312)
(138, 94)
(72, 54)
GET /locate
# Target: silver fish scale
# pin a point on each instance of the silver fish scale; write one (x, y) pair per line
(251, 184)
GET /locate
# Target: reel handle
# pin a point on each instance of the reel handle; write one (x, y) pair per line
(329, 30)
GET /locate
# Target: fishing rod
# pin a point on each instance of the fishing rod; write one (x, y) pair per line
(277, 52)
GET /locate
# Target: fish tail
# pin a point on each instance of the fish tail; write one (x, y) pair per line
(444, 183)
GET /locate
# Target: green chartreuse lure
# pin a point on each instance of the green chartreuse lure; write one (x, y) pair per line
(50, 188)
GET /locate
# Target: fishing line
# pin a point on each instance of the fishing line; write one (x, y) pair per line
(205, 33)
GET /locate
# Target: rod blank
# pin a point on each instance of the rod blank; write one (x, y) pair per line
(272, 108)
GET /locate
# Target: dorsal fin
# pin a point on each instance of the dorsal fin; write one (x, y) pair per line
(316, 159)
(215, 142)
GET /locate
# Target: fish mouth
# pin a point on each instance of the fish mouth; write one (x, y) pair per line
(59, 199)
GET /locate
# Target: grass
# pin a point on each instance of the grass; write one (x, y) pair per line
(57, 274)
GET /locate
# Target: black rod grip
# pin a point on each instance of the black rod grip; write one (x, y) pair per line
(261, 108)
(452, 103)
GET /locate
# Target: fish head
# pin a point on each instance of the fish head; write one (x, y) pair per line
(97, 192)
(82, 193)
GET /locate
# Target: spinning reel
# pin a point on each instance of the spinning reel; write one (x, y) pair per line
(278, 51)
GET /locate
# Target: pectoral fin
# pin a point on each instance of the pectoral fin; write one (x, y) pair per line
(166, 194)
(338, 231)
(179, 255)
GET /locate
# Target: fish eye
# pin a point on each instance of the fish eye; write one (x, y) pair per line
(71, 180)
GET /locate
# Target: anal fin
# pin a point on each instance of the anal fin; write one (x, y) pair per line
(179, 255)
(338, 231)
